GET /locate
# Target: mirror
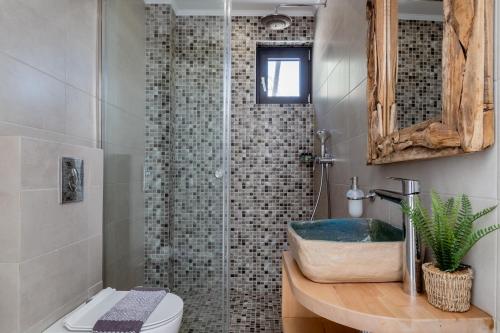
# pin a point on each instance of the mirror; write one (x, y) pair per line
(430, 78)
(419, 72)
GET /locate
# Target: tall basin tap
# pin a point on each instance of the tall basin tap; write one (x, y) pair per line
(412, 252)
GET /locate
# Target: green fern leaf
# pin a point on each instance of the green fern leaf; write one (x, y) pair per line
(473, 239)
(448, 230)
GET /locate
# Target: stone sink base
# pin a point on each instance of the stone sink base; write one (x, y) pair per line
(331, 261)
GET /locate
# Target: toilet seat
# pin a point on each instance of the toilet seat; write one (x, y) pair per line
(84, 317)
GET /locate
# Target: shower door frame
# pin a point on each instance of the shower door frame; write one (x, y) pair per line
(226, 163)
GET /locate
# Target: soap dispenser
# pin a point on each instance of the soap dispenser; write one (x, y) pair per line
(355, 198)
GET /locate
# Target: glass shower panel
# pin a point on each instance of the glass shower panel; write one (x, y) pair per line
(123, 137)
(185, 239)
(177, 129)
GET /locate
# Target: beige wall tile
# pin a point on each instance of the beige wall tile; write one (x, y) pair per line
(11, 129)
(338, 83)
(10, 239)
(95, 289)
(356, 12)
(30, 97)
(81, 50)
(9, 199)
(40, 163)
(43, 49)
(82, 66)
(51, 281)
(96, 167)
(95, 210)
(48, 66)
(32, 38)
(80, 118)
(46, 225)
(53, 11)
(342, 172)
(357, 118)
(46, 322)
(9, 298)
(81, 21)
(94, 269)
(10, 164)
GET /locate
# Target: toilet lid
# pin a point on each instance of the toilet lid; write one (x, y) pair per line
(84, 318)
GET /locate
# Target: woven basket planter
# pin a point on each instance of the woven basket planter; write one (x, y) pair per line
(448, 291)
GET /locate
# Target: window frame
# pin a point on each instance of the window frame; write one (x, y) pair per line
(264, 53)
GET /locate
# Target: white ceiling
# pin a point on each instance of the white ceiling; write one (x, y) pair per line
(431, 10)
(239, 7)
(408, 9)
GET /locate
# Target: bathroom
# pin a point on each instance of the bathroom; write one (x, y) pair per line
(151, 143)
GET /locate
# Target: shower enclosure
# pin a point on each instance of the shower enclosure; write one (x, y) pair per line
(165, 134)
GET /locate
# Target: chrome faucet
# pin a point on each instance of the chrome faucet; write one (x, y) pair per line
(412, 252)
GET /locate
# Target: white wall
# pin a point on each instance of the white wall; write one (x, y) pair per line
(50, 254)
(341, 107)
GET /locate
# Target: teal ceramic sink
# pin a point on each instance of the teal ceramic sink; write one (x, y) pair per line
(347, 250)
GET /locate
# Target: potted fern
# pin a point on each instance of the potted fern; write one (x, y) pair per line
(449, 232)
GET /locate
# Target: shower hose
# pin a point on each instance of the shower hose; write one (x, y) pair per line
(325, 175)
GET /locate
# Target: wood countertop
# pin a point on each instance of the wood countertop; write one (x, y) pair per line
(379, 307)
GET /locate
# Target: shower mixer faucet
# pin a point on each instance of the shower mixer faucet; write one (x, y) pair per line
(325, 160)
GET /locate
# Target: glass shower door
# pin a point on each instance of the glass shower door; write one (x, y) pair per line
(171, 207)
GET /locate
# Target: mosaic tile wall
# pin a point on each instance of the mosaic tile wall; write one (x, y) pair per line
(197, 194)
(184, 140)
(269, 186)
(418, 92)
(160, 23)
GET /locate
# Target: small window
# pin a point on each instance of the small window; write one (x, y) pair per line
(283, 75)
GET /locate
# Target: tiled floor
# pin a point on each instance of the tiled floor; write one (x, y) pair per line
(254, 313)
(203, 311)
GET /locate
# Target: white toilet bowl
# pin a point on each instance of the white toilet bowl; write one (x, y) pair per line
(166, 318)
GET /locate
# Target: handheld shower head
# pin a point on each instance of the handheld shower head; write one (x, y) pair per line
(323, 135)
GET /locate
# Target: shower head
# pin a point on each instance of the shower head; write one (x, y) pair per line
(323, 136)
(278, 21)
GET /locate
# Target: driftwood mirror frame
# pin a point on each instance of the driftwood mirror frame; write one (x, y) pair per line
(467, 124)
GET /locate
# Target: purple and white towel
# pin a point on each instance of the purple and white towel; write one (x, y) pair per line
(131, 312)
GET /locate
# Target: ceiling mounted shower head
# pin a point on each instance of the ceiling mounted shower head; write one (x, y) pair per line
(277, 21)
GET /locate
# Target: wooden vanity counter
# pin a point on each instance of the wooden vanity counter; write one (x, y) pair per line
(374, 307)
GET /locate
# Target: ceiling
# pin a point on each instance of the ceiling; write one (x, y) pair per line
(408, 9)
(421, 10)
(239, 7)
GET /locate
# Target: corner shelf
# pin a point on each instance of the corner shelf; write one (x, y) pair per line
(378, 307)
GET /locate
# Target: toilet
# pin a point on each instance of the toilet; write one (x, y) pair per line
(166, 318)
